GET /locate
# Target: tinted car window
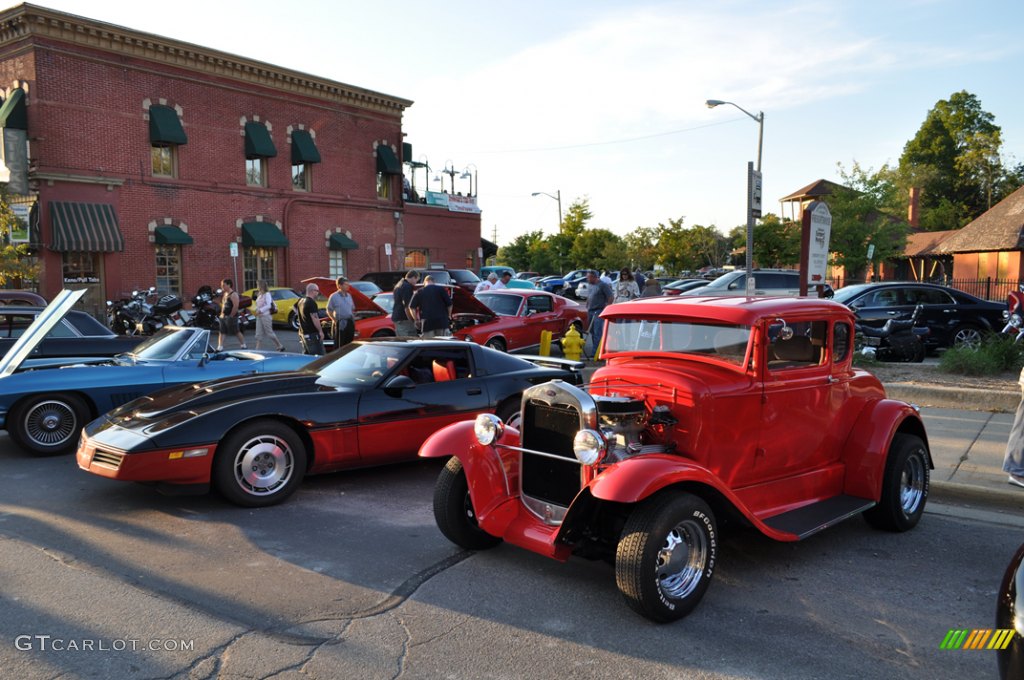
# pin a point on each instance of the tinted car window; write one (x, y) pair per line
(463, 276)
(926, 296)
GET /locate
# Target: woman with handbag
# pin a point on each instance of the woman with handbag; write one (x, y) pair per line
(265, 310)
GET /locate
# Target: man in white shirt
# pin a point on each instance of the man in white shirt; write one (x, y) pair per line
(487, 284)
(506, 276)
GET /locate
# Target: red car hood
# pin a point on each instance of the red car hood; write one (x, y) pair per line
(464, 302)
(363, 303)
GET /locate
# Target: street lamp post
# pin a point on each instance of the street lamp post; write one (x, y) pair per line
(473, 182)
(449, 169)
(759, 119)
(557, 197)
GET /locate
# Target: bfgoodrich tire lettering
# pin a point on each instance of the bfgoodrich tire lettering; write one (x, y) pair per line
(454, 513)
(260, 464)
(904, 486)
(666, 556)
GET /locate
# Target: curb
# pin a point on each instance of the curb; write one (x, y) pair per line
(972, 399)
(970, 494)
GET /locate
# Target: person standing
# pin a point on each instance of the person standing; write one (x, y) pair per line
(652, 288)
(640, 279)
(433, 306)
(599, 296)
(626, 288)
(401, 314)
(228, 321)
(311, 333)
(265, 309)
(1013, 461)
(342, 310)
(487, 284)
(502, 282)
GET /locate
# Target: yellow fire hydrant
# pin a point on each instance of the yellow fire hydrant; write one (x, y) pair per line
(572, 344)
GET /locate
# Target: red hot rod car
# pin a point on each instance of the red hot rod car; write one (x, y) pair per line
(707, 407)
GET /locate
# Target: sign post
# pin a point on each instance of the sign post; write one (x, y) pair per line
(233, 250)
(814, 241)
(387, 251)
(753, 213)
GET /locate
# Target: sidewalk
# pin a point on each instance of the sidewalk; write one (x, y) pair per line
(967, 433)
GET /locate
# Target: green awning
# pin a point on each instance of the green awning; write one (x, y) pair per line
(85, 228)
(342, 242)
(13, 114)
(165, 126)
(169, 235)
(257, 142)
(304, 148)
(263, 234)
(387, 163)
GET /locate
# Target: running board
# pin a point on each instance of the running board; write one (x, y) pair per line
(810, 519)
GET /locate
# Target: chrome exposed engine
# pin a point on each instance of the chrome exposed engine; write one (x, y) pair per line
(622, 421)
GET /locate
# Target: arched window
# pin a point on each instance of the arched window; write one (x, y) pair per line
(415, 259)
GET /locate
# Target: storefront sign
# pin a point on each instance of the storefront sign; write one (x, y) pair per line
(435, 198)
(19, 232)
(463, 204)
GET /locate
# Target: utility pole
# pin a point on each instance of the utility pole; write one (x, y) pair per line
(495, 237)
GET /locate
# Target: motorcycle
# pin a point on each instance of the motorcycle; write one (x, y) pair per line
(168, 311)
(1015, 314)
(134, 316)
(204, 311)
(119, 319)
(897, 340)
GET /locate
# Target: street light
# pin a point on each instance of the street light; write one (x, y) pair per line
(449, 169)
(472, 179)
(557, 197)
(759, 119)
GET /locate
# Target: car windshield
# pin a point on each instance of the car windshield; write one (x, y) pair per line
(847, 293)
(359, 364)
(164, 346)
(502, 305)
(724, 342)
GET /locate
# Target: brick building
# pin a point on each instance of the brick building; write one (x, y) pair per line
(140, 160)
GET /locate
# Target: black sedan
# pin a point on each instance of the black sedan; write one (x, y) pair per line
(76, 335)
(954, 318)
(255, 438)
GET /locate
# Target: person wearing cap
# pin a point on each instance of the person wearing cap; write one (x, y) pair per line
(311, 333)
(342, 310)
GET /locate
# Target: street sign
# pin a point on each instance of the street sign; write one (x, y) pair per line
(387, 249)
(233, 249)
(755, 194)
(871, 251)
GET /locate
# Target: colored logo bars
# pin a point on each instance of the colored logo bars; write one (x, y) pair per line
(979, 638)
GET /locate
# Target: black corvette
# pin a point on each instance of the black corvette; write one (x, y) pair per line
(254, 438)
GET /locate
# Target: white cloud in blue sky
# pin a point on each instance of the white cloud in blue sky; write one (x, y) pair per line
(546, 96)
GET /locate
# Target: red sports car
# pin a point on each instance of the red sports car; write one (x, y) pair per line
(514, 319)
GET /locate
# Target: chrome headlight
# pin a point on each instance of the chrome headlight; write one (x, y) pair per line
(1015, 320)
(488, 428)
(589, 446)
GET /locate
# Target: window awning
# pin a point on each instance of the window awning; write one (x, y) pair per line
(169, 235)
(257, 142)
(342, 242)
(304, 148)
(263, 234)
(387, 162)
(13, 114)
(165, 126)
(85, 228)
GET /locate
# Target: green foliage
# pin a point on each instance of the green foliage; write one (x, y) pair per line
(862, 215)
(597, 248)
(517, 253)
(998, 353)
(13, 262)
(576, 218)
(641, 247)
(776, 243)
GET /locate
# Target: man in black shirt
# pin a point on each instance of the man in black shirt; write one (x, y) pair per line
(405, 321)
(433, 305)
(311, 333)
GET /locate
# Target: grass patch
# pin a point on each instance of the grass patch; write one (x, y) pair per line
(998, 353)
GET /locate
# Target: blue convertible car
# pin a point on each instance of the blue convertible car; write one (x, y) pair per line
(45, 402)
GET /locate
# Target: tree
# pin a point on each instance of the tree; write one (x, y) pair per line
(517, 253)
(776, 243)
(598, 249)
(862, 216)
(13, 258)
(576, 218)
(641, 247)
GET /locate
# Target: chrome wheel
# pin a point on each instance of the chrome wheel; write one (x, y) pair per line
(912, 485)
(49, 424)
(679, 567)
(263, 465)
(968, 337)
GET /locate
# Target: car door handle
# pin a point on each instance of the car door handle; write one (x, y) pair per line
(474, 391)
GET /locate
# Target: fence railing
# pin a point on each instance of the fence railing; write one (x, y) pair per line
(986, 289)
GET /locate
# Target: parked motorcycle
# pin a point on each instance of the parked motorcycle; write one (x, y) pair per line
(205, 309)
(134, 316)
(1015, 314)
(168, 311)
(119, 319)
(897, 340)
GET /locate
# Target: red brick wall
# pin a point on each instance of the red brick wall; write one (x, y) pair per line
(86, 118)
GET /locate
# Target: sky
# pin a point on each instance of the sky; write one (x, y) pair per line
(606, 100)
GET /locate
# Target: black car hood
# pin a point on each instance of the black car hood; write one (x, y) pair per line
(200, 396)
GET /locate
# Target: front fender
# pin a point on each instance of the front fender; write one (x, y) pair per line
(867, 446)
(490, 476)
(635, 479)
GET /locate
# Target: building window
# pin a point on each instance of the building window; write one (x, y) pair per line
(415, 259)
(259, 263)
(168, 269)
(256, 172)
(336, 264)
(301, 177)
(164, 158)
(384, 182)
(469, 259)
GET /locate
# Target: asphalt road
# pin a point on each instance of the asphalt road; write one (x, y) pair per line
(351, 579)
